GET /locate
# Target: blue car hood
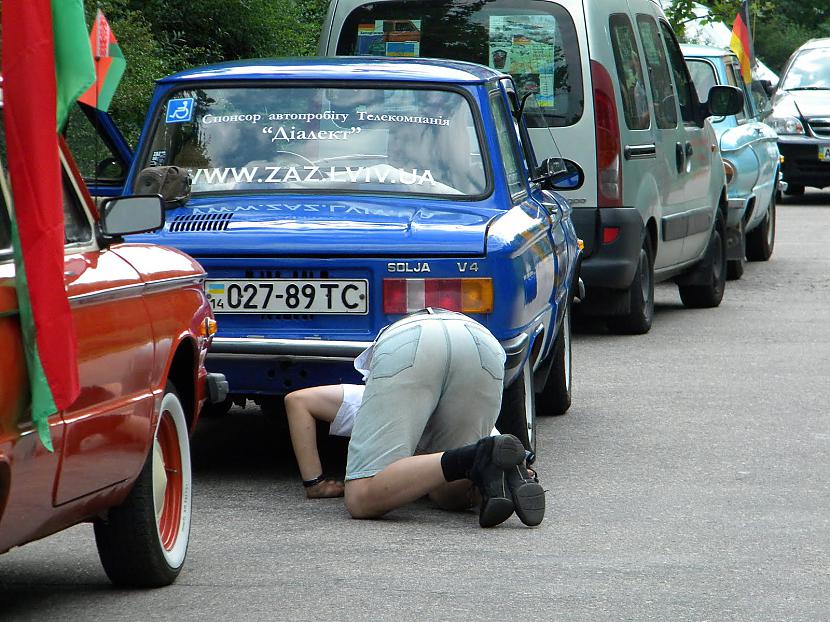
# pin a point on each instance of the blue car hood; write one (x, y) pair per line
(309, 225)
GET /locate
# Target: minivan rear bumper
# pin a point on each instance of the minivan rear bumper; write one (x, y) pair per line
(610, 265)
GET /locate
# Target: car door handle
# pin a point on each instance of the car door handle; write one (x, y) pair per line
(680, 155)
(640, 152)
(689, 150)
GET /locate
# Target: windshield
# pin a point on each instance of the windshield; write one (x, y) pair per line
(535, 42)
(324, 139)
(810, 70)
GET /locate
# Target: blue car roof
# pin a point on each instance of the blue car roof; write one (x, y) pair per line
(705, 50)
(341, 68)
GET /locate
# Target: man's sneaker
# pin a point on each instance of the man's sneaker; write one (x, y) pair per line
(494, 456)
(527, 494)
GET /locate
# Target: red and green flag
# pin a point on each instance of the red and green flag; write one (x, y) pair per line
(109, 65)
(46, 63)
(741, 42)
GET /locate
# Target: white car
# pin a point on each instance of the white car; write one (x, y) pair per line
(613, 84)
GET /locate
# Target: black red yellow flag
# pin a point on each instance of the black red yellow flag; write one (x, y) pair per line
(741, 42)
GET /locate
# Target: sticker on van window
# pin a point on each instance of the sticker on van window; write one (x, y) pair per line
(524, 46)
(389, 37)
(179, 110)
(158, 158)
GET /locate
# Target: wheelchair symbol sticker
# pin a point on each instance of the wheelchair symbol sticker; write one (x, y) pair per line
(180, 110)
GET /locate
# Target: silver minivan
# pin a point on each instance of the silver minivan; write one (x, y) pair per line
(613, 85)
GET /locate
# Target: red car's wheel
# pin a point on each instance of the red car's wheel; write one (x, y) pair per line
(143, 541)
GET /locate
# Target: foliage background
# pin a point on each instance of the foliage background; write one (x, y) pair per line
(778, 26)
(159, 37)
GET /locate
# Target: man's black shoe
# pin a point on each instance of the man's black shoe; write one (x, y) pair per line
(527, 494)
(494, 456)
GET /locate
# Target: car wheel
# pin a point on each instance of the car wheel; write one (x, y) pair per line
(710, 294)
(518, 409)
(761, 241)
(555, 398)
(794, 190)
(641, 295)
(143, 541)
(735, 267)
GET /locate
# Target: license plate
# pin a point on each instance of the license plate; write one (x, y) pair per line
(824, 152)
(288, 296)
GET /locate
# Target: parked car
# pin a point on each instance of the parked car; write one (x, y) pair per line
(801, 116)
(332, 196)
(750, 156)
(612, 81)
(121, 452)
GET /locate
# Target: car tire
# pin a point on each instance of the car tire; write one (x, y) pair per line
(710, 294)
(518, 409)
(735, 267)
(555, 397)
(794, 190)
(761, 241)
(141, 546)
(641, 297)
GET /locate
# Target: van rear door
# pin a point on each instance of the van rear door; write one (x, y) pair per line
(543, 45)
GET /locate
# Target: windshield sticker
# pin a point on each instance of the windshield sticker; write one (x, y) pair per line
(524, 46)
(389, 37)
(293, 133)
(383, 174)
(179, 110)
(158, 158)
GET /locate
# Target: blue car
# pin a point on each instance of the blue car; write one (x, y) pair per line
(331, 196)
(750, 156)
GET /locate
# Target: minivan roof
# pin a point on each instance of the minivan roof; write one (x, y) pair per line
(340, 68)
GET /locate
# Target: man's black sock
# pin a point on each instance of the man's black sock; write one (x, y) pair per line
(456, 463)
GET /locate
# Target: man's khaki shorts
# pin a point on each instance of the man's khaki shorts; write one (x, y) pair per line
(434, 383)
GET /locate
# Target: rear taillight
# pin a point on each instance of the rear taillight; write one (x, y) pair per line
(609, 152)
(465, 295)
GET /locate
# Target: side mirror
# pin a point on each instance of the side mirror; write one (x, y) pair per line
(768, 86)
(560, 174)
(135, 214)
(723, 101)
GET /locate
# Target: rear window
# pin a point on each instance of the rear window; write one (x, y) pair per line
(533, 41)
(322, 138)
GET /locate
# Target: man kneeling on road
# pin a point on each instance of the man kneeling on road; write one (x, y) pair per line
(433, 394)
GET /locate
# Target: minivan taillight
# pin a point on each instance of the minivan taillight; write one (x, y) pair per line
(609, 152)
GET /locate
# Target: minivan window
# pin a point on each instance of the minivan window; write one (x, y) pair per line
(354, 138)
(533, 41)
(662, 92)
(681, 74)
(629, 72)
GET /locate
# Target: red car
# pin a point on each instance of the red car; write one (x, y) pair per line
(122, 457)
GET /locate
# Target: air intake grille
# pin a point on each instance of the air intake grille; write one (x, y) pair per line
(820, 127)
(200, 222)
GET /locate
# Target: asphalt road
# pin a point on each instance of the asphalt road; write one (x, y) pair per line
(689, 481)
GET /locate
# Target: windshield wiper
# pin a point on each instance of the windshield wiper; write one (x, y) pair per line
(809, 88)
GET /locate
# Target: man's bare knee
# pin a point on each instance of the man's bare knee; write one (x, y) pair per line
(360, 500)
